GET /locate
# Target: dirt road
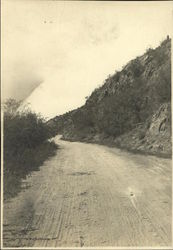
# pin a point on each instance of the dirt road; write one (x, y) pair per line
(92, 195)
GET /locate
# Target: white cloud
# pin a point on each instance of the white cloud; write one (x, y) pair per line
(73, 46)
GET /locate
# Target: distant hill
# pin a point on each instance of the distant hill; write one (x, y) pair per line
(131, 109)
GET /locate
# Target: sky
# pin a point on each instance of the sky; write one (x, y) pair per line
(55, 53)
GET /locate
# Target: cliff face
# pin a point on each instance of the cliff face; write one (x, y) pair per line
(131, 109)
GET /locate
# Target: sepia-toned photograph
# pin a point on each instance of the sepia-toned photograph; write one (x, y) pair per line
(86, 124)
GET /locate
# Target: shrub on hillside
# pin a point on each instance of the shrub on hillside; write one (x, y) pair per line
(22, 129)
(163, 87)
(137, 67)
(26, 144)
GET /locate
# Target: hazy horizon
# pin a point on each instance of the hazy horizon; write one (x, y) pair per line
(55, 53)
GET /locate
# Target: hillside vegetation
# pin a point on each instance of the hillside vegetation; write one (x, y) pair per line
(131, 109)
(26, 145)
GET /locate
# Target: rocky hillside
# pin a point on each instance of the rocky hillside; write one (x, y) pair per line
(131, 109)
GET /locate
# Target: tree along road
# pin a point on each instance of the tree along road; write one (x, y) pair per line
(92, 195)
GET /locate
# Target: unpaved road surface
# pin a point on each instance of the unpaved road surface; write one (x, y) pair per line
(92, 195)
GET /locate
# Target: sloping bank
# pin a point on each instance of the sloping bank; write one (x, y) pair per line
(152, 138)
(130, 110)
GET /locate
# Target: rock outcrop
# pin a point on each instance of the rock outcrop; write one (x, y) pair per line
(152, 138)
